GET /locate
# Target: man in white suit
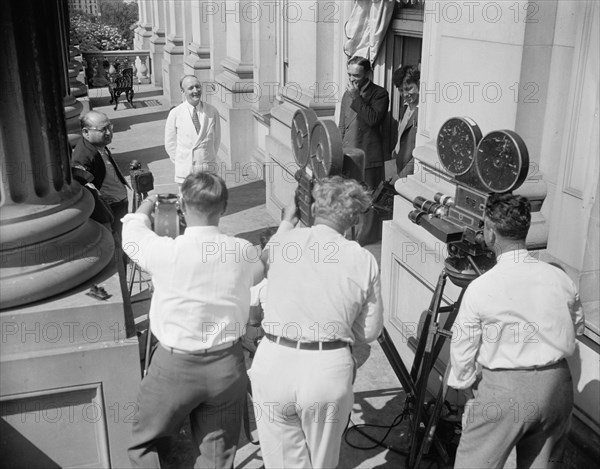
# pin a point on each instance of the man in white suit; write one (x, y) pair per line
(193, 132)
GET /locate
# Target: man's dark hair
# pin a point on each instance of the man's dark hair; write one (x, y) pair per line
(266, 234)
(409, 74)
(510, 214)
(205, 192)
(361, 61)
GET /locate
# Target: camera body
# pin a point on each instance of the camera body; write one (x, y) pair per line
(142, 179)
(168, 216)
(479, 166)
(317, 146)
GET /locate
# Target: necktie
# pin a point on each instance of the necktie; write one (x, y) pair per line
(195, 120)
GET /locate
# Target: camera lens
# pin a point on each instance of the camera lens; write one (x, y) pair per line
(415, 216)
(443, 199)
(428, 206)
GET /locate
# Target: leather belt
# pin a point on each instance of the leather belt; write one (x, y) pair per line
(331, 345)
(557, 364)
(216, 348)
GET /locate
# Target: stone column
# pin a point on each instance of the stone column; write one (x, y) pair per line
(62, 350)
(172, 62)
(143, 32)
(197, 59)
(307, 55)
(157, 41)
(234, 86)
(264, 48)
(48, 243)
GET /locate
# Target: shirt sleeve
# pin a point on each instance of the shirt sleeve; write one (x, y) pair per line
(141, 244)
(374, 112)
(342, 123)
(171, 136)
(466, 340)
(369, 323)
(217, 134)
(576, 310)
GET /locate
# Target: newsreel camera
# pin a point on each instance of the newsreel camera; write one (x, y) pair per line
(317, 147)
(479, 166)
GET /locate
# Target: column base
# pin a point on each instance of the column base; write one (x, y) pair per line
(44, 254)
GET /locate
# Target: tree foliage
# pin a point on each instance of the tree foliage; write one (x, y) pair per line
(122, 16)
(111, 30)
(96, 36)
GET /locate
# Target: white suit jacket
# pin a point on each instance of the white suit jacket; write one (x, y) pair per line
(187, 149)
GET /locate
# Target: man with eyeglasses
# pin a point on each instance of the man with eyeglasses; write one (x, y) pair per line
(93, 154)
(406, 79)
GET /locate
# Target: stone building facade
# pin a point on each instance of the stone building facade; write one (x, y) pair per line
(531, 67)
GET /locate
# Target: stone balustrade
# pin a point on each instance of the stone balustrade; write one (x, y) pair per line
(100, 65)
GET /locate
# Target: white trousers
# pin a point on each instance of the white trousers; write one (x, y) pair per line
(302, 401)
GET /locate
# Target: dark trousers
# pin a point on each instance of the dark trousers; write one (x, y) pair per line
(368, 229)
(119, 210)
(526, 409)
(210, 388)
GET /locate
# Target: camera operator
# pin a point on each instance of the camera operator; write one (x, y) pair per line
(517, 323)
(323, 295)
(200, 305)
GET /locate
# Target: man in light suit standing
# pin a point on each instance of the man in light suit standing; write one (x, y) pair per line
(193, 132)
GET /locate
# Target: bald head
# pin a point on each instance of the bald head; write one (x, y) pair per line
(96, 128)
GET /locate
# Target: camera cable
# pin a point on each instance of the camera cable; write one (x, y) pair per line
(380, 443)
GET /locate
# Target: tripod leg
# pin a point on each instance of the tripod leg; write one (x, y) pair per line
(433, 307)
(433, 420)
(426, 365)
(405, 379)
(148, 349)
(396, 362)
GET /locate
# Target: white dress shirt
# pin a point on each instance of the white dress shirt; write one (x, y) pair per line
(321, 287)
(408, 112)
(520, 314)
(201, 280)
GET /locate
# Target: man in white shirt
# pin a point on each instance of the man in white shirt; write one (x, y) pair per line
(516, 325)
(193, 132)
(199, 308)
(323, 295)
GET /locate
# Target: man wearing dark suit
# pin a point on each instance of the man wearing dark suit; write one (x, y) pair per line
(406, 79)
(364, 106)
(93, 154)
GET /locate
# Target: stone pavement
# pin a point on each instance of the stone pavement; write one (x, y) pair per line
(379, 399)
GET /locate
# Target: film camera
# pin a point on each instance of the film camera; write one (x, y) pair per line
(142, 179)
(168, 217)
(317, 147)
(479, 166)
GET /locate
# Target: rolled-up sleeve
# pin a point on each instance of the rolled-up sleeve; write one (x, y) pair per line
(171, 135)
(369, 323)
(141, 244)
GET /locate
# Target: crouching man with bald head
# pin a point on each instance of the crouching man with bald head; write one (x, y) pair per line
(200, 305)
(323, 295)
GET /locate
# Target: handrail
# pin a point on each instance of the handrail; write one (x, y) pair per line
(100, 65)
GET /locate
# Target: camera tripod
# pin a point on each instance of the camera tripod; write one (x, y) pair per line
(423, 422)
